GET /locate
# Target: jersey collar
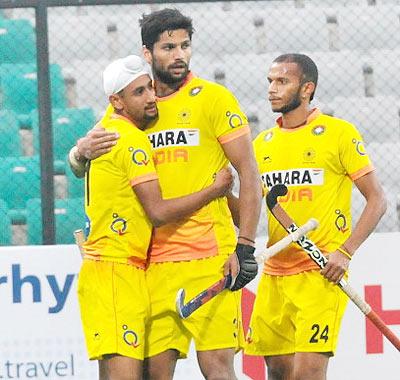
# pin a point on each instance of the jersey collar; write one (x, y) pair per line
(315, 112)
(188, 78)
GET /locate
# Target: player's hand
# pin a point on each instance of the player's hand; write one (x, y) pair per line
(97, 142)
(336, 267)
(223, 182)
(245, 269)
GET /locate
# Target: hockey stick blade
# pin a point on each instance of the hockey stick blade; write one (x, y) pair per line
(317, 256)
(185, 310)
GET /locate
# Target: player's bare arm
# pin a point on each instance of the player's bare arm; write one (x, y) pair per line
(162, 211)
(338, 261)
(97, 142)
(241, 155)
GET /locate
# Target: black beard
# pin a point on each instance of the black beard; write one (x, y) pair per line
(166, 77)
(292, 105)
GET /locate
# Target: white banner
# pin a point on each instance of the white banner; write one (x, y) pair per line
(41, 335)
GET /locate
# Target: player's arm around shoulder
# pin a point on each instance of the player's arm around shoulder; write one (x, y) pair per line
(374, 209)
(161, 211)
(97, 142)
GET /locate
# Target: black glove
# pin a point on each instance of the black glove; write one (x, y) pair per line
(248, 267)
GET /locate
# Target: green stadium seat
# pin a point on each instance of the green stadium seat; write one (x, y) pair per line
(19, 180)
(69, 124)
(17, 41)
(69, 216)
(5, 224)
(75, 186)
(10, 139)
(18, 85)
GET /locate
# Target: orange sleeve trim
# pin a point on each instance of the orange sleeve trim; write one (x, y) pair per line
(143, 178)
(234, 135)
(359, 173)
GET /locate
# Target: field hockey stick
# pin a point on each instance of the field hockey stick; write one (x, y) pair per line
(316, 255)
(79, 240)
(185, 310)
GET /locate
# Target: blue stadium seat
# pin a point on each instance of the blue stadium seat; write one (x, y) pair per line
(17, 41)
(5, 224)
(18, 84)
(69, 216)
(19, 180)
(10, 139)
(69, 124)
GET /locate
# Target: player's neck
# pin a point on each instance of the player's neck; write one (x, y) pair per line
(295, 118)
(164, 89)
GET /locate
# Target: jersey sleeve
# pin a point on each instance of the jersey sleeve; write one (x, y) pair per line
(353, 156)
(135, 159)
(227, 118)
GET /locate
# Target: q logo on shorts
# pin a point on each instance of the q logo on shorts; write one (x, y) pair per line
(130, 337)
(139, 156)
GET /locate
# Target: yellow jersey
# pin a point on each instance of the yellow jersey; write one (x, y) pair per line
(118, 229)
(187, 140)
(317, 162)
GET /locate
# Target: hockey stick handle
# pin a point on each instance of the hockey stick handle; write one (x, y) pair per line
(79, 240)
(294, 236)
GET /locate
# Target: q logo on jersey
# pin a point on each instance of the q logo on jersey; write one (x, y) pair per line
(359, 147)
(139, 156)
(234, 120)
(130, 337)
(118, 225)
(341, 222)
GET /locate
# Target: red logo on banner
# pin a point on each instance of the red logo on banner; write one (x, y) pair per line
(373, 296)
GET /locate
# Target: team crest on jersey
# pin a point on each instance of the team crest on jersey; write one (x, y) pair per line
(175, 137)
(234, 120)
(341, 221)
(195, 90)
(318, 130)
(118, 225)
(294, 177)
(184, 116)
(130, 337)
(309, 155)
(359, 147)
(139, 156)
(268, 136)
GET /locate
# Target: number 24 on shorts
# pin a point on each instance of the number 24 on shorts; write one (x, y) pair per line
(317, 335)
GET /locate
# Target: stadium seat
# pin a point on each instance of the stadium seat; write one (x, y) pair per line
(295, 29)
(17, 41)
(366, 113)
(369, 27)
(75, 186)
(19, 180)
(10, 139)
(386, 158)
(18, 85)
(5, 224)
(385, 65)
(69, 124)
(339, 74)
(69, 216)
(88, 76)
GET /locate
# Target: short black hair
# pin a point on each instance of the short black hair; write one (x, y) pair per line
(306, 65)
(156, 23)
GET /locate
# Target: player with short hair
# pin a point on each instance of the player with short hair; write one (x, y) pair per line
(199, 130)
(113, 294)
(297, 312)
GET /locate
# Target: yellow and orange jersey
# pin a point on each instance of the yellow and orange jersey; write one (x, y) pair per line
(317, 162)
(187, 142)
(118, 228)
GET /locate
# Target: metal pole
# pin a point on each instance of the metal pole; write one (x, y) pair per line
(45, 126)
